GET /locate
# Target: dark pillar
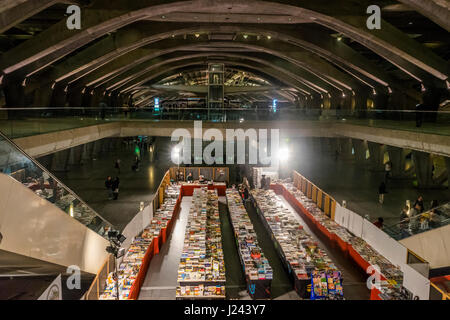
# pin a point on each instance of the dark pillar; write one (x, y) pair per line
(60, 160)
(360, 147)
(345, 146)
(423, 168)
(376, 156)
(397, 157)
(86, 152)
(97, 148)
(75, 155)
(14, 92)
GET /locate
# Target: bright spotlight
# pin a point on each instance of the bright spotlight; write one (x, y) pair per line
(283, 154)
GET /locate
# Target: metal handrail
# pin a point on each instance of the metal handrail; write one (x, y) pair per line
(55, 179)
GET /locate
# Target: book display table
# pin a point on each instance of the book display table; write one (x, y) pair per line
(187, 189)
(356, 248)
(201, 272)
(257, 270)
(134, 266)
(296, 248)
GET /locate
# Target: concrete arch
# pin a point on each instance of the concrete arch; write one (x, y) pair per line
(122, 43)
(390, 43)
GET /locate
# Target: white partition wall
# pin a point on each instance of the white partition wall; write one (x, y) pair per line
(34, 227)
(388, 247)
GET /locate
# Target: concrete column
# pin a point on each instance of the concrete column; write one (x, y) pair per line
(422, 165)
(360, 147)
(345, 146)
(86, 152)
(447, 164)
(43, 97)
(14, 93)
(376, 156)
(58, 96)
(60, 160)
(397, 157)
(97, 148)
(75, 155)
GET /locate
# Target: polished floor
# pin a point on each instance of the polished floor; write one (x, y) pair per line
(88, 181)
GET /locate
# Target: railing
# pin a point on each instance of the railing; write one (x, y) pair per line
(324, 201)
(422, 222)
(99, 283)
(23, 168)
(20, 122)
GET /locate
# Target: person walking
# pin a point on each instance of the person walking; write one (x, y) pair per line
(387, 169)
(108, 186)
(381, 192)
(115, 188)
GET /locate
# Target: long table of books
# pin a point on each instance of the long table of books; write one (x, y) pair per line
(304, 260)
(359, 250)
(134, 266)
(258, 272)
(201, 272)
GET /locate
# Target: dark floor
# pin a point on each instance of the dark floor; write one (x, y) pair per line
(88, 181)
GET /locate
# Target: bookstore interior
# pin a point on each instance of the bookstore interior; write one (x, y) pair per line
(287, 226)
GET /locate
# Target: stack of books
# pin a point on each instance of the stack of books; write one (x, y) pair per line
(201, 272)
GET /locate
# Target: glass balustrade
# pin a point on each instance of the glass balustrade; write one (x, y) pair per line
(15, 163)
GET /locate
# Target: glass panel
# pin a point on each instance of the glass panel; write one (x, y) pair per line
(15, 163)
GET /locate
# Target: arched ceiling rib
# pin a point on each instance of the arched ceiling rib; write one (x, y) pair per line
(56, 42)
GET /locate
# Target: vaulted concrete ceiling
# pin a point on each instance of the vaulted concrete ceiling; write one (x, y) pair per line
(311, 46)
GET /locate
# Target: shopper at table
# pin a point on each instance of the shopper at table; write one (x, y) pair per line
(190, 178)
(115, 188)
(108, 186)
(263, 181)
(435, 219)
(379, 222)
(381, 192)
(419, 204)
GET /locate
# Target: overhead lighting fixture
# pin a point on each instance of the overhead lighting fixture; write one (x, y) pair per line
(92, 92)
(53, 85)
(389, 90)
(24, 82)
(374, 92)
(343, 94)
(1, 79)
(84, 90)
(339, 38)
(353, 93)
(197, 35)
(66, 88)
(245, 36)
(446, 82)
(173, 36)
(163, 17)
(269, 37)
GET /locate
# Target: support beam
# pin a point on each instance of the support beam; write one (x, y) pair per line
(423, 168)
(360, 147)
(397, 157)
(376, 156)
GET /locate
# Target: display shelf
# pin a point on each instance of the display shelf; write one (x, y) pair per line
(258, 272)
(359, 250)
(202, 267)
(133, 268)
(299, 250)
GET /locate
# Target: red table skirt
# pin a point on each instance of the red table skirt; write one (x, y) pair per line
(341, 243)
(358, 259)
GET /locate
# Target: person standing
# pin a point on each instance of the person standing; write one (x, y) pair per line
(381, 192)
(117, 165)
(109, 185)
(190, 178)
(419, 204)
(379, 223)
(263, 181)
(387, 169)
(115, 188)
